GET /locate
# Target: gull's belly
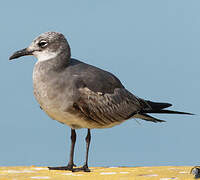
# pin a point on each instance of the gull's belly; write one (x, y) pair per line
(72, 120)
(76, 120)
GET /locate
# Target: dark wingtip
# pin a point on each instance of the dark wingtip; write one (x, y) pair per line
(190, 114)
(159, 121)
(165, 111)
(177, 112)
(168, 104)
(158, 105)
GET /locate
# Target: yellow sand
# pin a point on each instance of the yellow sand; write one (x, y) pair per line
(99, 173)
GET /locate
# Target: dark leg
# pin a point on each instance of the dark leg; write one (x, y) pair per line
(71, 158)
(87, 139)
(85, 166)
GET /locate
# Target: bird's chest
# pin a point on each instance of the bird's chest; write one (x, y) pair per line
(57, 106)
(43, 90)
(50, 90)
(55, 98)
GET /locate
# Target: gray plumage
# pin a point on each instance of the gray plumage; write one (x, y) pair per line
(78, 90)
(80, 95)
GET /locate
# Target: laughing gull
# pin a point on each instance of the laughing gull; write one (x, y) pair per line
(80, 95)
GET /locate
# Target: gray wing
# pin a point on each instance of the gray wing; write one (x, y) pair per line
(102, 97)
(96, 79)
(107, 108)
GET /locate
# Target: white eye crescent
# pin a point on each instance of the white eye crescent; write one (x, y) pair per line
(43, 43)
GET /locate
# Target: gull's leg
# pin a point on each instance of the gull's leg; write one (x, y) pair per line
(73, 141)
(71, 158)
(85, 166)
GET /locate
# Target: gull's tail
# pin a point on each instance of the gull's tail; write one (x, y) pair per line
(154, 107)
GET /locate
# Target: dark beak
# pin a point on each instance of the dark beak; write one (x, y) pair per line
(23, 52)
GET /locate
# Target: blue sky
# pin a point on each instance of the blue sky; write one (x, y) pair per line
(151, 46)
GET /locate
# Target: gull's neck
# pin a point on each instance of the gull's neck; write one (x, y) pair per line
(54, 61)
(45, 56)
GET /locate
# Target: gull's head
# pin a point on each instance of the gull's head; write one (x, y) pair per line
(45, 47)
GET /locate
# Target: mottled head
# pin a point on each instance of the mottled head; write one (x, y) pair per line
(45, 47)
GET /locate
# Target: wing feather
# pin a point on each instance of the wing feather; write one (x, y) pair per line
(107, 108)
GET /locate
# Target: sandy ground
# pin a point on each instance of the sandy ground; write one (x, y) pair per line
(98, 173)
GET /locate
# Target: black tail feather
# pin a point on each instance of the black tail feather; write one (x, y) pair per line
(149, 105)
(164, 111)
(157, 105)
(154, 107)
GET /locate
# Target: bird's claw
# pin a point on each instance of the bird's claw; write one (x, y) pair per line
(83, 168)
(68, 167)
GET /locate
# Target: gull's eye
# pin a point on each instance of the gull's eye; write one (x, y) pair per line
(42, 43)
